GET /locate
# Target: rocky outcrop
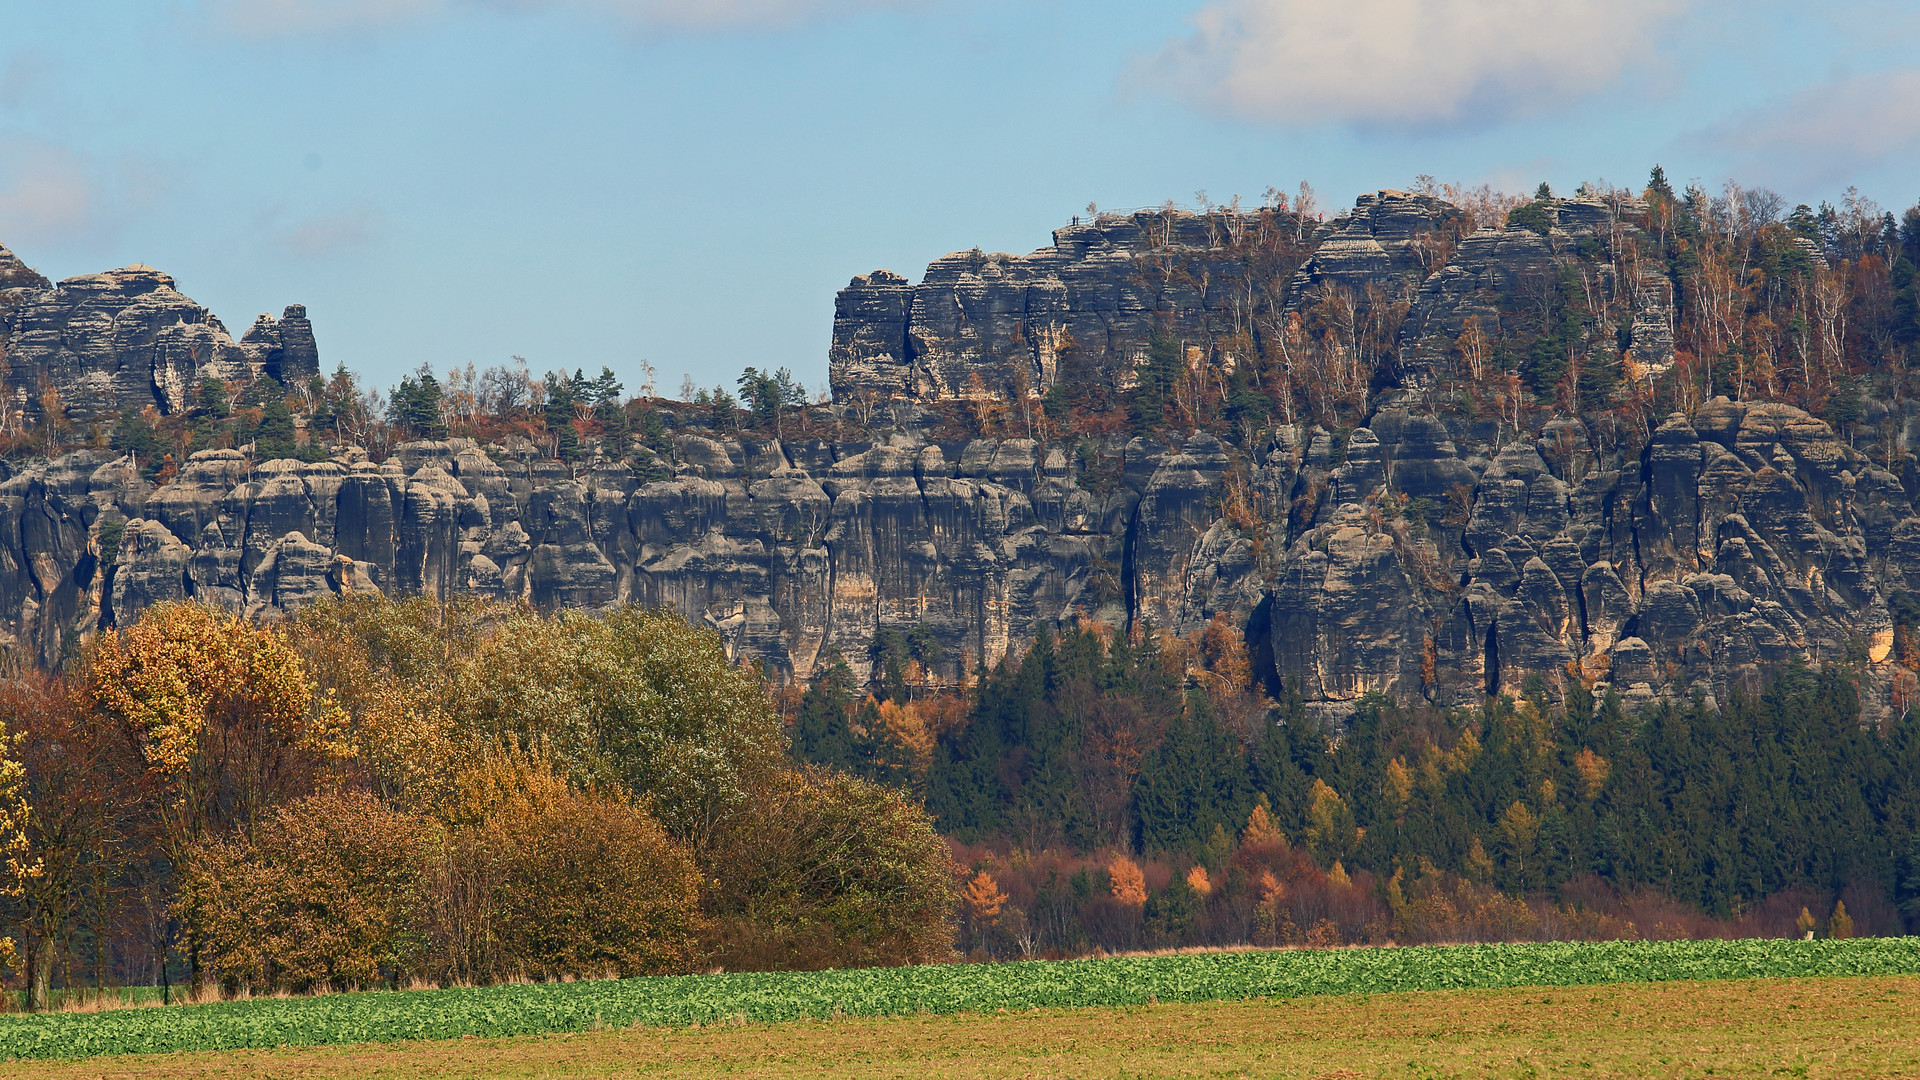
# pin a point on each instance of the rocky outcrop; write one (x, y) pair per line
(982, 325)
(128, 339)
(1417, 559)
(1427, 551)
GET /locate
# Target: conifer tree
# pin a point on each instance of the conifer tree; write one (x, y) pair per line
(821, 732)
(1194, 781)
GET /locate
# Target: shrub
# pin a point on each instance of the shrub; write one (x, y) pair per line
(830, 870)
(325, 892)
(557, 882)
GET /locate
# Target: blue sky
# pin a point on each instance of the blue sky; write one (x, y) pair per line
(589, 182)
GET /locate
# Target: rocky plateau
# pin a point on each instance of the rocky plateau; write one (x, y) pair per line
(1694, 558)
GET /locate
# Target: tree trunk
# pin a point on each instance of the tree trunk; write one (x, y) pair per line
(39, 973)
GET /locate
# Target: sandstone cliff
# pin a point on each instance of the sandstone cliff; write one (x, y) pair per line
(128, 339)
(1426, 550)
(1741, 538)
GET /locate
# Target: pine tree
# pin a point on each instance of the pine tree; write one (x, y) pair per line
(1194, 781)
(414, 405)
(1657, 183)
(821, 732)
(1154, 382)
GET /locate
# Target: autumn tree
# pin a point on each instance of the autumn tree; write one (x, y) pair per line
(82, 829)
(221, 716)
(220, 711)
(325, 893)
(388, 666)
(1129, 884)
(829, 870)
(639, 699)
(557, 882)
(18, 867)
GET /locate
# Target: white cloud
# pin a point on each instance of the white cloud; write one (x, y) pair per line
(1393, 63)
(270, 18)
(334, 234)
(1829, 130)
(48, 195)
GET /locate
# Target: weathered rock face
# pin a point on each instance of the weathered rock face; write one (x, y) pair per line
(1741, 538)
(1496, 278)
(127, 337)
(1423, 553)
(981, 325)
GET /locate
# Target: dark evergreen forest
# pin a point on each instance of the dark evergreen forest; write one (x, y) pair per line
(1091, 748)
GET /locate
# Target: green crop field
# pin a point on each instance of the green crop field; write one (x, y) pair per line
(974, 988)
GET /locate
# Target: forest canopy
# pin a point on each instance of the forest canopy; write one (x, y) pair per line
(381, 792)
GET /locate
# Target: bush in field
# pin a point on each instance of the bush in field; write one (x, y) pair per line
(829, 870)
(326, 892)
(640, 699)
(554, 882)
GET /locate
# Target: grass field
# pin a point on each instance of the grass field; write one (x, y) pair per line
(505, 1011)
(1820, 1028)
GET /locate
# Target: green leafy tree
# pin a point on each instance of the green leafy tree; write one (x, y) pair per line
(639, 698)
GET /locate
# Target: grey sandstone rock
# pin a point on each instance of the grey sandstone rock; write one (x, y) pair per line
(1419, 553)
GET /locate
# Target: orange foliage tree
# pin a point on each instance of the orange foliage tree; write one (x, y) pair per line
(220, 711)
(325, 893)
(1129, 884)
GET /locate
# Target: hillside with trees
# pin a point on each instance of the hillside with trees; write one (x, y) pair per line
(1461, 566)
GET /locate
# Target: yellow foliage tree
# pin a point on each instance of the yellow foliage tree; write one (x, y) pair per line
(1840, 924)
(1518, 829)
(1261, 831)
(1223, 648)
(907, 726)
(1397, 786)
(221, 712)
(1198, 881)
(983, 897)
(1593, 770)
(1479, 867)
(1330, 826)
(1129, 885)
(20, 866)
